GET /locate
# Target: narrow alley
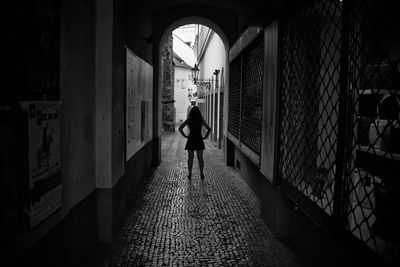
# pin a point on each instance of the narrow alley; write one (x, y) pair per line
(302, 162)
(179, 222)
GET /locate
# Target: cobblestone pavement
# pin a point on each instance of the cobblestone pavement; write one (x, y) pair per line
(178, 222)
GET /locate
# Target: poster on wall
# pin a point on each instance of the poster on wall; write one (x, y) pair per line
(43, 119)
(139, 97)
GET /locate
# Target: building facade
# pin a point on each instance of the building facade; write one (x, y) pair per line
(184, 60)
(184, 89)
(211, 59)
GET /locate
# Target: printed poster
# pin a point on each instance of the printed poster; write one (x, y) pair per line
(139, 99)
(44, 159)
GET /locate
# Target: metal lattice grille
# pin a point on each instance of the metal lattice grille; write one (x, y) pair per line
(372, 177)
(251, 119)
(234, 97)
(310, 101)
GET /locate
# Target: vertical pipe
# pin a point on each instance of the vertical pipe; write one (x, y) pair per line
(218, 109)
(206, 91)
(205, 104)
(240, 99)
(210, 106)
(213, 107)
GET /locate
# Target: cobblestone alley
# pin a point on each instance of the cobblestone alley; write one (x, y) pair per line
(181, 222)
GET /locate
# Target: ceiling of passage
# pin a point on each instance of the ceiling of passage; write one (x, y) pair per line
(242, 13)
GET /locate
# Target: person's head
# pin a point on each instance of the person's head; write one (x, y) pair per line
(195, 113)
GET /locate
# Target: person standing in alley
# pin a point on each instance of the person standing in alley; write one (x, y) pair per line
(195, 122)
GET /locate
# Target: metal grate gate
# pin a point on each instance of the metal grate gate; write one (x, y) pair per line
(245, 95)
(313, 87)
(251, 119)
(373, 158)
(235, 82)
(310, 63)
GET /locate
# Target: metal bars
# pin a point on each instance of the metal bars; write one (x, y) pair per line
(340, 116)
(251, 119)
(372, 183)
(245, 96)
(310, 101)
(235, 83)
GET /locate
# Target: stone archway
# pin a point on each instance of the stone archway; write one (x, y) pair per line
(157, 60)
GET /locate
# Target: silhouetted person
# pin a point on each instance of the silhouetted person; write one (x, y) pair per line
(195, 138)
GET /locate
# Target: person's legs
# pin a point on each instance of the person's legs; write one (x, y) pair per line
(190, 162)
(201, 162)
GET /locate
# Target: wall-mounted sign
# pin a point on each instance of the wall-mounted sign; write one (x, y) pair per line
(139, 103)
(44, 158)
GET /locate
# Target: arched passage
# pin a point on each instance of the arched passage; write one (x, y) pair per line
(158, 85)
(196, 20)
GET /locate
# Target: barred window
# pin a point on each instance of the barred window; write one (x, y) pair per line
(252, 93)
(372, 184)
(245, 95)
(309, 101)
(235, 82)
(313, 86)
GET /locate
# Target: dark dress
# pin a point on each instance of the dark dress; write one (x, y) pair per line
(195, 138)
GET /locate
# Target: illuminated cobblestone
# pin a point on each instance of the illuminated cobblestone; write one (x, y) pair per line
(181, 222)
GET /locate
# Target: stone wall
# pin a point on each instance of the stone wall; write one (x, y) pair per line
(167, 94)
